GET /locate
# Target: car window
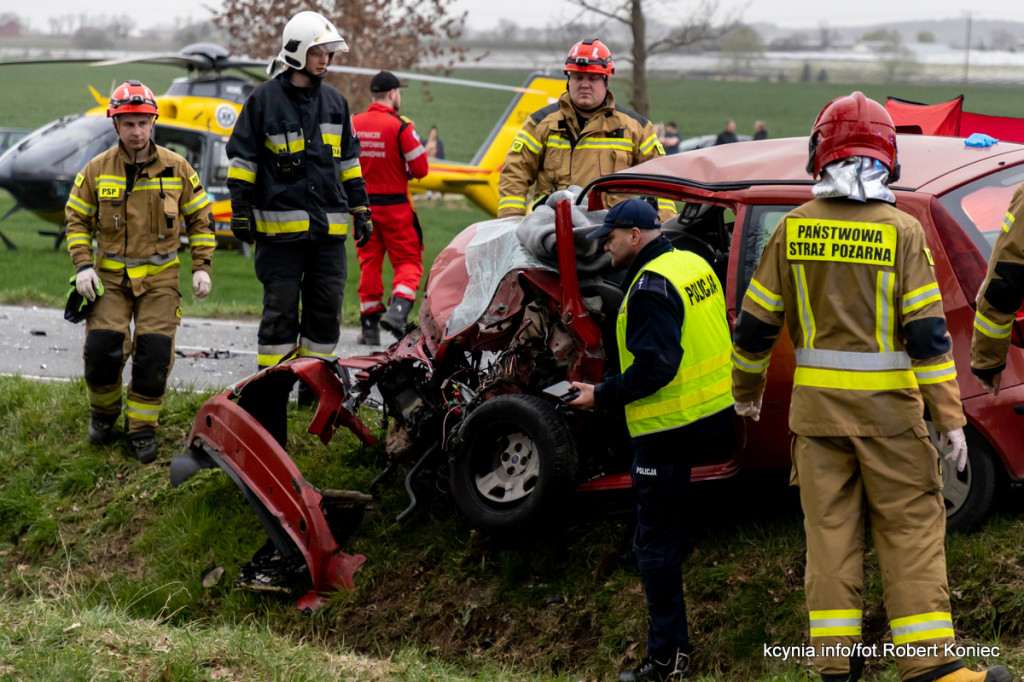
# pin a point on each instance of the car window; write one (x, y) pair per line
(980, 206)
(759, 225)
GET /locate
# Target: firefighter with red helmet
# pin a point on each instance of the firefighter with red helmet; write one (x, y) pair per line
(297, 191)
(852, 278)
(390, 153)
(579, 138)
(132, 200)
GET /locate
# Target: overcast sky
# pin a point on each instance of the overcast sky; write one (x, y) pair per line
(485, 14)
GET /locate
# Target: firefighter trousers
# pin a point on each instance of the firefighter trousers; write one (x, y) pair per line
(308, 272)
(396, 231)
(109, 343)
(895, 484)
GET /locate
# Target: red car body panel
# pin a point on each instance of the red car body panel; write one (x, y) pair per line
(773, 172)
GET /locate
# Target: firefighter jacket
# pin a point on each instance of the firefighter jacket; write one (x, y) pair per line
(1001, 295)
(554, 151)
(135, 215)
(855, 284)
(294, 163)
(673, 343)
(390, 152)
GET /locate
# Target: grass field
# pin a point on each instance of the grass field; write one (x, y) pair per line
(37, 274)
(465, 116)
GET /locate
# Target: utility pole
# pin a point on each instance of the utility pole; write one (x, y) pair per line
(967, 49)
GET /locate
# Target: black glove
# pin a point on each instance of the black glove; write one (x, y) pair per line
(240, 226)
(362, 228)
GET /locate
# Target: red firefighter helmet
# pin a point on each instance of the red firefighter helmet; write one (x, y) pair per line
(853, 125)
(132, 97)
(590, 56)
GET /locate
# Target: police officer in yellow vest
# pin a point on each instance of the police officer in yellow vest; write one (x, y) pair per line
(674, 346)
(851, 277)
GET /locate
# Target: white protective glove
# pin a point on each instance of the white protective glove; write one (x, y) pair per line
(88, 283)
(956, 444)
(751, 409)
(201, 283)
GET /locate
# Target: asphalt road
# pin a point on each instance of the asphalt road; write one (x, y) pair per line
(38, 343)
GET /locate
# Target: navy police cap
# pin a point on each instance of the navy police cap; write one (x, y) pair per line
(629, 213)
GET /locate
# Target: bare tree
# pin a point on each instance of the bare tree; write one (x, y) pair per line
(700, 25)
(740, 48)
(121, 27)
(827, 36)
(381, 34)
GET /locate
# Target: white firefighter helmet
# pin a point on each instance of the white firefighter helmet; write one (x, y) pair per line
(302, 32)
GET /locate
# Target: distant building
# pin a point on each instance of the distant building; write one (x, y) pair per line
(11, 29)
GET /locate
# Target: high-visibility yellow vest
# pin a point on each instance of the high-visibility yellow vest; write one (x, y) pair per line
(702, 385)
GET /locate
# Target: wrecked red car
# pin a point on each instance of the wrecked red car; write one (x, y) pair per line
(472, 392)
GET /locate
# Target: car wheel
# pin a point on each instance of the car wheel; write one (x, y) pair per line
(968, 494)
(515, 464)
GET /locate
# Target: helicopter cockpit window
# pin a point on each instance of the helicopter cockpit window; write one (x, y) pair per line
(188, 143)
(66, 145)
(219, 171)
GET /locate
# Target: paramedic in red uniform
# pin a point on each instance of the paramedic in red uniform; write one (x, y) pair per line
(392, 153)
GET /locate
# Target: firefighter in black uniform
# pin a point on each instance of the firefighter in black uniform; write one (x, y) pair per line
(297, 191)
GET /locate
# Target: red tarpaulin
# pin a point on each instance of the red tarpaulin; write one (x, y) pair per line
(949, 119)
(926, 119)
(1000, 127)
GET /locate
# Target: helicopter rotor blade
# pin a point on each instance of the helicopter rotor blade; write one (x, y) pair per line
(199, 62)
(364, 71)
(171, 59)
(67, 60)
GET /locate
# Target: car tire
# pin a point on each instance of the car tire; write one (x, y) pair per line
(515, 465)
(968, 494)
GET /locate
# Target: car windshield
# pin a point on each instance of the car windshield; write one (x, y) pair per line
(980, 207)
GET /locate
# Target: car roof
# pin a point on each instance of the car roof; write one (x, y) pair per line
(929, 163)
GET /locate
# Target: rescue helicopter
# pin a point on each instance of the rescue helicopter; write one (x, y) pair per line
(197, 114)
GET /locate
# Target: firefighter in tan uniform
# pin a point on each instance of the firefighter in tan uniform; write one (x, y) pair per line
(999, 299)
(579, 138)
(851, 277)
(131, 199)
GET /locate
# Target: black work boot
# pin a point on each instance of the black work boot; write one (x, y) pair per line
(397, 316)
(143, 446)
(370, 334)
(653, 670)
(101, 428)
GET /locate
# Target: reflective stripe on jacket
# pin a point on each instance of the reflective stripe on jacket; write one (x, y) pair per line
(552, 151)
(294, 162)
(390, 151)
(1001, 294)
(701, 385)
(855, 285)
(138, 229)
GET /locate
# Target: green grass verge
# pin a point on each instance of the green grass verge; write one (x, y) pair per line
(101, 564)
